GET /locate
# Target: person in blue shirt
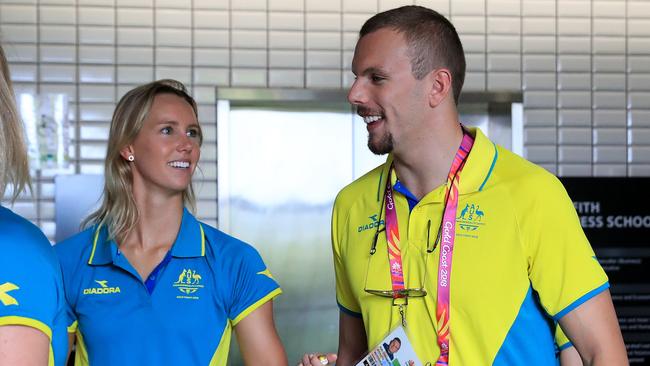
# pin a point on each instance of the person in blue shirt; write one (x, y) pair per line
(146, 282)
(32, 304)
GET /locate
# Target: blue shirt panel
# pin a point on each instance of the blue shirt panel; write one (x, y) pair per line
(205, 284)
(530, 340)
(410, 197)
(30, 280)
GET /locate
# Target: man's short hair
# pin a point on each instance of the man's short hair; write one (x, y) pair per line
(432, 39)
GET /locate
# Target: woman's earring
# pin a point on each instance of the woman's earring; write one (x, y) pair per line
(131, 158)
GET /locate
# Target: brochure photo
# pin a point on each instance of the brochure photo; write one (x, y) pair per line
(394, 350)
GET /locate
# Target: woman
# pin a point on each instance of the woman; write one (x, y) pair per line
(146, 282)
(32, 306)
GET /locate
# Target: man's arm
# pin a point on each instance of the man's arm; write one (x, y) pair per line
(352, 339)
(593, 329)
(570, 357)
(23, 346)
(258, 340)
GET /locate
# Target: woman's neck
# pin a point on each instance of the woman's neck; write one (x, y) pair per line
(159, 219)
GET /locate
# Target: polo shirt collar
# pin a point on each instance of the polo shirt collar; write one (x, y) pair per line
(190, 242)
(103, 250)
(476, 173)
(480, 163)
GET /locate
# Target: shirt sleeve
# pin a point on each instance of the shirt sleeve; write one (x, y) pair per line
(253, 284)
(28, 284)
(344, 294)
(562, 266)
(68, 262)
(70, 318)
(561, 340)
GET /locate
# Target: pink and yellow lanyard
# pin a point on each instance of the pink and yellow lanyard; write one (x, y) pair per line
(447, 236)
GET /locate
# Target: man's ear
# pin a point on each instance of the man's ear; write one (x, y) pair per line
(441, 88)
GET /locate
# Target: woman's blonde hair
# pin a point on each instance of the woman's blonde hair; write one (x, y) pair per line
(14, 164)
(118, 210)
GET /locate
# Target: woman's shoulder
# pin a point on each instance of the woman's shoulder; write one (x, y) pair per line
(17, 231)
(219, 242)
(23, 242)
(76, 245)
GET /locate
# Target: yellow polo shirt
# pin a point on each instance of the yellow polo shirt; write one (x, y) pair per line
(521, 260)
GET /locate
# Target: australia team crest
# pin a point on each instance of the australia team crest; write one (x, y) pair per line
(471, 218)
(188, 283)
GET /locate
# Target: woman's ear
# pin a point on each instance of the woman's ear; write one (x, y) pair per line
(127, 153)
(440, 81)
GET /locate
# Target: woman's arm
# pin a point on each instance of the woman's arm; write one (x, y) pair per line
(258, 340)
(23, 346)
(71, 339)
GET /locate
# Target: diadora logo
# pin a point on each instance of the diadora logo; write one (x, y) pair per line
(103, 289)
(374, 223)
(266, 273)
(470, 220)
(188, 283)
(4, 296)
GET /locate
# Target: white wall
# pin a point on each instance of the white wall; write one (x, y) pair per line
(583, 66)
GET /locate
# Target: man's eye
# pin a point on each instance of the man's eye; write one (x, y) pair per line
(377, 78)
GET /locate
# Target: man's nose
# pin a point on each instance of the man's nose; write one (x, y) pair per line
(357, 94)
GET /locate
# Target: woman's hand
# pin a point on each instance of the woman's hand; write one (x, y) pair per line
(317, 359)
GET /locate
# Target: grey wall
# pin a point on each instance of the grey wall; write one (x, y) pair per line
(583, 66)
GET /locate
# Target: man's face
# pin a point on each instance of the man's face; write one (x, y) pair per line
(394, 346)
(385, 92)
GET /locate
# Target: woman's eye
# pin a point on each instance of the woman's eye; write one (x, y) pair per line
(193, 133)
(166, 130)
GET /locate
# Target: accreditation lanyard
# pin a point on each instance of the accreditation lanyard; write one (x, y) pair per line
(447, 246)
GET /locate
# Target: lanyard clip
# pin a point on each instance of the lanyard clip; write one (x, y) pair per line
(401, 314)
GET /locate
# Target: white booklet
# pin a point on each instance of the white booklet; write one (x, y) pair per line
(394, 350)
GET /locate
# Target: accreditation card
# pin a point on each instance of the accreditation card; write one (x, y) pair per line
(394, 350)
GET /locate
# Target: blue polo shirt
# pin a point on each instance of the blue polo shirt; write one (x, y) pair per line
(31, 289)
(184, 316)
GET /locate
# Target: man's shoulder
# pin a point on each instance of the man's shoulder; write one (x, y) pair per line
(515, 170)
(366, 186)
(524, 182)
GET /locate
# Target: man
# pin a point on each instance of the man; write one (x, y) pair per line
(448, 196)
(392, 347)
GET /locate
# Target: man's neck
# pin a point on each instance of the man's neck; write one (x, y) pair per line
(425, 164)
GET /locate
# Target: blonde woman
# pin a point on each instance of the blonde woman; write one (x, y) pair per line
(146, 282)
(32, 331)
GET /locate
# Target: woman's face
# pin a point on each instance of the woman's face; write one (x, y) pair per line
(167, 148)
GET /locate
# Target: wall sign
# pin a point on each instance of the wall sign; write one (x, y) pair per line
(615, 215)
